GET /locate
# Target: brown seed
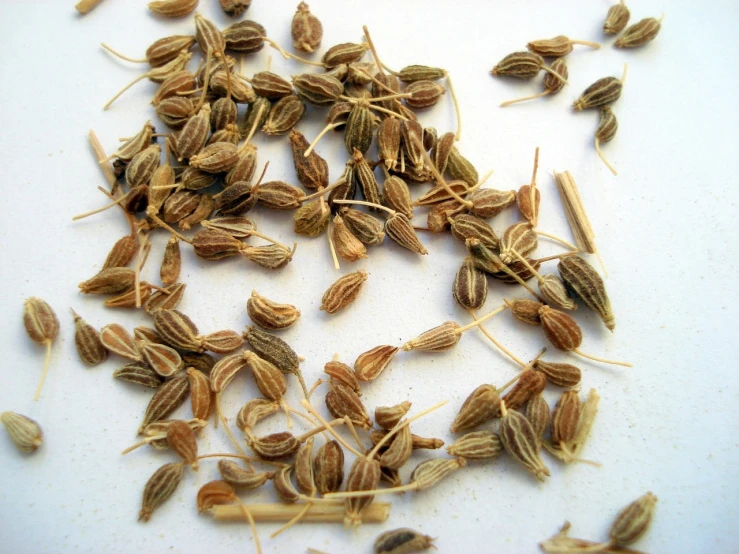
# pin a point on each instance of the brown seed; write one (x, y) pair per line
(215, 493)
(520, 237)
(487, 203)
(224, 113)
(270, 380)
(338, 113)
(214, 244)
(201, 398)
(439, 215)
(306, 30)
(521, 442)
(397, 196)
(523, 65)
(557, 47)
(347, 190)
(147, 334)
(128, 299)
(388, 417)
(342, 374)
(328, 467)
(87, 340)
(562, 375)
(441, 193)
(342, 401)
(478, 445)
(205, 207)
(562, 331)
(554, 291)
(537, 412)
(159, 488)
(399, 228)
(429, 473)
(580, 277)
(160, 300)
(437, 339)
(278, 195)
(225, 370)
(234, 8)
(399, 451)
(270, 85)
(162, 359)
(633, 521)
(139, 373)
(312, 218)
(181, 439)
(388, 141)
(526, 311)
(365, 177)
(173, 8)
(218, 157)
(178, 330)
(141, 168)
(269, 257)
(273, 349)
(607, 127)
(601, 93)
(284, 486)
(312, 170)
(255, 411)
(565, 418)
(364, 475)
(359, 128)
(169, 271)
(639, 33)
(413, 73)
(369, 365)
(480, 407)
(346, 244)
(366, 228)
(465, 226)
(237, 199)
(424, 94)
(222, 342)
(303, 467)
(275, 446)
(237, 476)
(200, 361)
(344, 53)
(116, 339)
(320, 89)
(483, 257)
(470, 287)
(113, 280)
(411, 133)
(122, 252)
(179, 205)
(517, 268)
(529, 384)
(195, 179)
(430, 138)
(230, 134)
(284, 115)
(343, 291)
(179, 82)
(170, 396)
(616, 19)
(269, 314)
(23, 431)
(192, 137)
(245, 166)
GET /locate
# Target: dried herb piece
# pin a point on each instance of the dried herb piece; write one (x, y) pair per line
(388, 141)
(303, 467)
(343, 292)
(201, 397)
(170, 396)
(274, 446)
(478, 446)
(320, 90)
(607, 127)
(178, 330)
(328, 467)
(480, 407)
(558, 46)
(343, 374)
(580, 276)
(181, 439)
(487, 203)
(234, 8)
(215, 493)
(526, 311)
(562, 331)
(160, 487)
(562, 375)
(465, 226)
(554, 291)
(529, 384)
(364, 475)
(424, 94)
(347, 245)
(537, 412)
(639, 33)
(601, 93)
(616, 19)
(42, 327)
(270, 380)
(520, 237)
(429, 473)
(399, 451)
(344, 53)
(269, 314)
(24, 431)
(369, 365)
(523, 65)
(255, 411)
(521, 442)
(342, 401)
(122, 252)
(312, 218)
(169, 300)
(399, 228)
(470, 287)
(272, 256)
(397, 196)
(312, 170)
(273, 349)
(162, 359)
(438, 339)
(366, 228)
(306, 29)
(284, 115)
(139, 373)
(87, 340)
(565, 419)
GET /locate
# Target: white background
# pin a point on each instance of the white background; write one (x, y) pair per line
(665, 227)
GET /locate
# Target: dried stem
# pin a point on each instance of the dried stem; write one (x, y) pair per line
(159, 221)
(399, 426)
(353, 431)
(556, 238)
(100, 155)
(379, 83)
(526, 263)
(355, 494)
(332, 248)
(328, 427)
(323, 191)
(121, 56)
(557, 256)
(317, 384)
(242, 457)
(219, 410)
(139, 264)
(86, 6)
(439, 177)
(93, 212)
(325, 130)
(597, 359)
(524, 368)
(496, 343)
(305, 436)
(124, 89)
(524, 99)
(206, 81)
(532, 191)
(594, 45)
(483, 319)
(370, 204)
(293, 521)
(45, 370)
(320, 512)
(603, 158)
(373, 50)
(457, 110)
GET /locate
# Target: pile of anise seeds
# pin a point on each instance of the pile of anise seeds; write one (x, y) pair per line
(197, 177)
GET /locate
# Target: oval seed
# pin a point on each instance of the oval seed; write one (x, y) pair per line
(580, 276)
(159, 488)
(254, 411)
(478, 446)
(87, 340)
(275, 446)
(470, 287)
(269, 314)
(639, 33)
(273, 349)
(389, 416)
(201, 397)
(616, 19)
(24, 432)
(181, 439)
(328, 467)
(236, 476)
(480, 407)
(306, 29)
(369, 365)
(633, 521)
(343, 292)
(139, 373)
(562, 331)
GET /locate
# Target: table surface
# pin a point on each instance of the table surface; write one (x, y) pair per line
(663, 226)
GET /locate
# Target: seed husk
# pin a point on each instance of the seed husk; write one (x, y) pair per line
(343, 292)
(477, 445)
(526, 311)
(269, 314)
(320, 90)
(369, 365)
(470, 287)
(639, 33)
(388, 417)
(520, 237)
(25, 433)
(303, 467)
(122, 252)
(399, 451)
(521, 442)
(441, 193)
(344, 53)
(359, 129)
(236, 476)
(167, 398)
(225, 370)
(215, 493)
(399, 228)
(139, 373)
(616, 19)
(364, 475)
(161, 358)
(565, 418)
(181, 439)
(401, 541)
(633, 521)
(342, 401)
(328, 467)
(437, 339)
(159, 488)
(465, 226)
(270, 380)
(529, 384)
(178, 330)
(255, 411)
(116, 339)
(580, 277)
(388, 141)
(87, 340)
(113, 280)
(306, 29)
(312, 170)
(424, 94)
(284, 486)
(487, 203)
(201, 397)
(312, 218)
(480, 407)
(397, 196)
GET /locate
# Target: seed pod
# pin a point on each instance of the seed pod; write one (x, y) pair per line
(181, 439)
(284, 486)
(413, 73)
(399, 228)
(437, 339)
(222, 342)
(278, 195)
(347, 245)
(521, 442)
(215, 493)
(255, 411)
(312, 218)
(470, 288)
(122, 252)
(306, 30)
(399, 452)
(562, 331)
(366, 178)
(165, 301)
(601, 93)
(465, 226)
(342, 374)
(526, 311)
(237, 199)
(616, 19)
(23, 431)
(480, 407)
(139, 373)
(344, 53)
(273, 349)
(238, 227)
(520, 237)
(342, 401)
(160, 487)
(388, 417)
(343, 291)
(303, 467)
(369, 365)
(269, 257)
(237, 476)
(206, 206)
(87, 340)
(270, 380)
(523, 65)
(275, 446)
(429, 473)
(553, 290)
(562, 375)
(487, 203)
(270, 85)
(388, 141)
(245, 36)
(170, 396)
(478, 445)
(179, 205)
(639, 33)
(269, 314)
(202, 362)
(201, 399)
(364, 475)
(161, 358)
(424, 94)
(284, 115)
(359, 129)
(115, 338)
(366, 228)
(529, 384)
(169, 271)
(173, 8)
(328, 467)
(318, 89)
(178, 330)
(312, 171)
(565, 418)
(537, 412)
(234, 8)
(397, 196)
(556, 47)
(633, 521)
(192, 137)
(580, 276)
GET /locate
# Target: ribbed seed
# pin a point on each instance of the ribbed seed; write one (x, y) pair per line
(565, 418)
(270, 380)
(437, 339)
(237, 199)
(236, 476)
(478, 445)
(365, 177)
(173, 8)
(245, 36)
(328, 467)
(128, 299)
(580, 276)
(470, 287)
(441, 193)
(312, 171)
(270, 85)
(181, 439)
(369, 365)
(388, 417)
(365, 227)
(526, 311)
(523, 65)
(113, 280)
(388, 141)
(633, 521)
(639, 33)
(343, 292)
(223, 113)
(269, 314)
(400, 541)
(192, 137)
(411, 133)
(555, 47)
(237, 226)
(139, 373)
(148, 334)
(218, 157)
(562, 375)
(397, 196)
(607, 125)
(342, 374)
(480, 407)
(487, 203)
(140, 169)
(616, 19)
(160, 300)
(306, 29)
(344, 53)
(312, 218)
(206, 206)
(194, 179)
(284, 115)
(159, 488)
(601, 93)
(179, 205)
(170, 396)
(347, 190)
(161, 358)
(399, 451)
(201, 398)
(169, 271)
(554, 291)
(215, 493)
(245, 166)
(116, 339)
(25, 433)
(178, 330)
(122, 252)
(222, 342)
(179, 82)
(517, 268)
(484, 258)
(255, 411)
(359, 129)
(269, 257)
(278, 195)
(318, 89)
(275, 446)
(225, 370)
(529, 384)
(347, 246)
(424, 94)
(364, 475)
(537, 412)
(87, 340)
(202, 362)
(284, 486)
(439, 215)
(465, 226)
(429, 473)
(520, 237)
(342, 401)
(273, 349)
(562, 331)
(442, 150)
(413, 73)
(521, 442)
(399, 228)
(303, 467)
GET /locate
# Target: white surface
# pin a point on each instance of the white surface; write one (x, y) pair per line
(666, 229)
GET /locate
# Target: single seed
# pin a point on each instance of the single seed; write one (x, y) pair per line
(639, 33)
(238, 477)
(470, 287)
(526, 311)
(529, 384)
(139, 373)
(173, 8)
(169, 271)
(521, 442)
(255, 411)
(389, 416)
(303, 467)
(215, 493)
(601, 93)
(342, 401)
(234, 8)
(343, 292)
(480, 407)
(269, 314)
(342, 374)
(306, 29)
(165, 299)
(23, 431)
(633, 521)
(537, 412)
(562, 375)
(616, 19)
(87, 340)
(550, 83)
(181, 439)
(284, 115)
(607, 127)
(347, 245)
(122, 252)
(170, 396)
(201, 397)
(328, 467)
(275, 446)
(565, 419)
(159, 488)
(369, 365)
(478, 446)
(580, 277)
(558, 46)
(562, 331)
